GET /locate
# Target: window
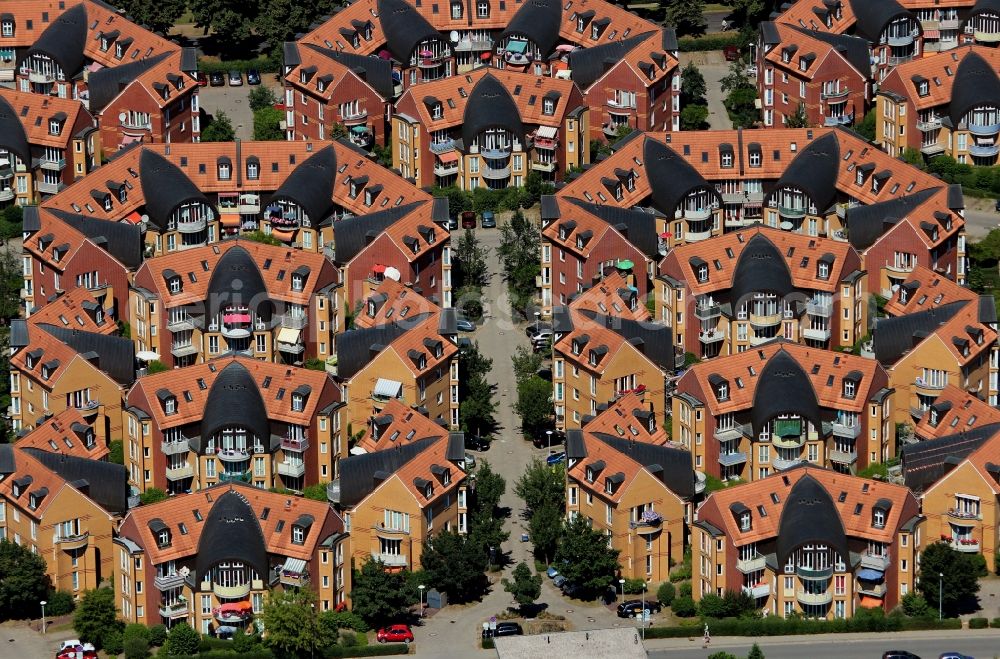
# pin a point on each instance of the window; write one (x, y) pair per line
(224, 171)
(482, 9)
(298, 535)
(745, 521)
(548, 106)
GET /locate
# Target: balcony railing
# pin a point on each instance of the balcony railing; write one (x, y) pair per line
(442, 169)
(822, 309)
(782, 464)
(697, 236)
(6, 194)
(711, 336)
(878, 562)
(179, 473)
(747, 565)
(932, 148)
(49, 188)
(928, 385)
(984, 150)
(392, 560)
(732, 459)
(174, 610)
(55, 164)
(183, 349)
(175, 447)
(765, 319)
(758, 591)
(540, 166)
(791, 213)
(816, 333)
(698, 214)
(964, 515)
(289, 444)
(180, 323)
(965, 545)
(986, 36)
(728, 434)
(292, 469)
(355, 115)
(442, 146)
(291, 321)
(235, 476)
(931, 123)
(872, 589)
(850, 431)
(72, 542)
(707, 311)
(233, 455)
(466, 45)
(168, 581)
(838, 120)
(828, 94)
(495, 173)
(844, 457)
(899, 40)
(815, 599)
(815, 574)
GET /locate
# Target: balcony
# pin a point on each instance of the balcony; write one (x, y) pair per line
(289, 444)
(497, 152)
(41, 77)
(838, 120)
(928, 388)
(814, 574)
(168, 581)
(832, 94)
(984, 150)
(747, 565)
(356, 117)
(822, 309)
(88, 408)
(236, 329)
(790, 213)
(932, 149)
(6, 194)
(782, 464)
(183, 349)
(984, 36)
(707, 311)
(844, 457)
(931, 123)
(72, 542)
(540, 166)
(758, 591)
(611, 130)
(495, 173)
(790, 443)
(871, 589)
(53, 164)
(697, 236)
(964, 516)
(49, 188)
(965, 545)
(175, 610)
(850, 431)
(711, 336)
(192, 226)
(765, 319)
(698, 214)
(728, 434)
(431, 61)
(473, 45)
(235, 476)
(917, 412)
(292, 321)
(292, 469)
(295, 348)
(450, 169)
(732, 459)
(233, 455)
(178, 323)
(392, 560)
(231, 592)
(815, 599)
(231, 615)
(293, 579)
(700, 480)
(442, 146)
(900, 40)
(817, 333)
(875, 561)
(179, 473)
(175, 447)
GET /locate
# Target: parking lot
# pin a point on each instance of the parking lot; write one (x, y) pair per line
(233, 101)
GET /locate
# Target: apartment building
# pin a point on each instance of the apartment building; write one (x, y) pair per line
(394, 500)
(45, 144)
(604, 347)
(810, 542)
(233, 419)
(945, 104)
(937, 334)
(824, 74)
(406, 349)
(139, 86)
(64, 508)
(237, 297)
(749, 287)
(66, 433)
(953, 411)
(210, 558)
(55, 367)
(637, 492)
(769, 409)
(956, 478)
(490, 128)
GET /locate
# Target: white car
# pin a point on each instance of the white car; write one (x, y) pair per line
(74, 643)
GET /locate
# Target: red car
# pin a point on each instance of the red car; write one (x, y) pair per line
(395, 634)
(71, 653)
(202, 79)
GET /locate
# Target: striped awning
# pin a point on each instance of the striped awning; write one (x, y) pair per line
(385, 388)
(547, 132)
(294, 566)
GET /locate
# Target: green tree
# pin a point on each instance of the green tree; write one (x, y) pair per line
(545, 529)
(585, 558)
(541, 484)
(261, 97)
(220, 129)
(155, 366)
(277, 21)
(182, 641)
(113, 642)
(260, 237)
(711, 606)
(913, 157)
(741, 94)
(693, 87)
(471, 256)
(244, 643)
(525, 587)
(96, 616)
(116, 452)
(534, 404)
(798, 120)
(866, 128)
(11, 282)
(694, 117)
(23, 580)
(157, 635)
(666, 593)
(152, 495)
(267, 125)
(755, 652)
(518, 252)
(316, 491)
(477, 407)
(289, 617)
(135, 641)
(157, 15)
(60, 603)
(915, 606)
(230, 20)
(526, 363)
(453, 566)
(683, 606)
(11, 222)
(959, 583)
(490, 487)
(378, 596)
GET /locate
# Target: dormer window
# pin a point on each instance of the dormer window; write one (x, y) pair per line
(590, 474)
(703, 273)
(726, 159)
(429, 490)
(924, 88)
(298, 535)
(170, 405)
(859, 177)
(933, 420)
(253, 171)
(723, 391)
(483, 9)
(548, 106)
(108, 204)
(745, 520)
(55, 126)
(298, 282)
(123, 194)
(298, 402)
(850, 388)
(437, 111)
(7, 27)
(175, 285)
(823, 270)
(163, 538)
(225, 171)
(456, 10)
(878, 518)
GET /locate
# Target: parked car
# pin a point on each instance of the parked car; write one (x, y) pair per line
(470, 462)
(542, 440)
(556, 458)
(954, 655)
(540, 335)
(552, 572)
(78, 653)
(253, 77)
(235, 79)
(570, 589)
(899, 654)
(542, 345)
(489, 220)
(504, 629)
(535, 328)
(202, 79)
(468, 220)
(633, 608)
(476, 443)
(997, 206)
(465, 325)
(217, 79)
(395, 634)
(559, 581)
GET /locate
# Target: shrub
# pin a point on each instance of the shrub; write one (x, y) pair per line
(684, 590)
(711, 606)
(995, 623)
(978, 623)
(60, 603)
(666, 593)
(136, 648)
(634, 586)
(344, 620)
(348, 639)
(367, 650)
(684, 606)
(978, 562)
(722, 655)
(914, 605)
(775, 626)
(113, 642)
(157, 635)
(263, 653)
(488, 644)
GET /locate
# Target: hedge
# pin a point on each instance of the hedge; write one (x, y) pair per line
(230, 654)
(380, 650)
(995, 623)
(488, 644)
(714, 42)
(774, 626)
(978, 623)
(261, 64)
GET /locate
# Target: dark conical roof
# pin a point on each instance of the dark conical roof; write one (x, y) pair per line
(760, 269)
(814, 171)
(404, 27)
(873, 16)
(165, 187)
(671, 177)
(310, 185)
(236, 280)
(810, 517)
(490, 105)
(783, 388)
(235, 400)
(538, 20)
(976, 83)
(12, 135)
(64, 40)
(231, 533)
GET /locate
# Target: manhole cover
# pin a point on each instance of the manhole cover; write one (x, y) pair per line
(569, 610)
(432, 635)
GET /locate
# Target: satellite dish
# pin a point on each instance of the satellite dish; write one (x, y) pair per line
(453, 36)
(122, 116)
(184, 571)
(144, 218)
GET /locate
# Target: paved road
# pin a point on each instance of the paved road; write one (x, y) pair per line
(977, 643)
(233, 101)
(713, 73)
(19, 640)
(978, 223)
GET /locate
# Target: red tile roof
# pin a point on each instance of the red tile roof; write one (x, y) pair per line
(62, 434)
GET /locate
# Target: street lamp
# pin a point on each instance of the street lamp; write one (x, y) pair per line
(421, 588)
(538, 314)
(621, 582)
(549, 435)
(643, 611)
(43, 615)
(940, 588)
